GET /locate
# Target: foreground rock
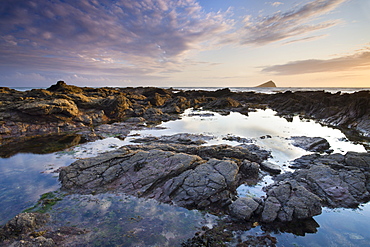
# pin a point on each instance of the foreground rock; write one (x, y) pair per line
(338, 180)
(192, 177)
(24, 226)
(288, 201)
(169, 176)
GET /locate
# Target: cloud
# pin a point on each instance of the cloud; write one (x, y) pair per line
(284, 25)
(276, 4)
(359, 60)
(310, 38)
(125, 36)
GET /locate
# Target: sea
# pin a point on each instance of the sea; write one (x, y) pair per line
(268, 90)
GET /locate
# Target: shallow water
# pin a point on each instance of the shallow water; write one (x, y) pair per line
(24, 177)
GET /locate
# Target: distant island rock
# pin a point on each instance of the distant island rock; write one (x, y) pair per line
(267, 84)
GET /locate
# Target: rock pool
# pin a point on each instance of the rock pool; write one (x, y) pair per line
(129, 221)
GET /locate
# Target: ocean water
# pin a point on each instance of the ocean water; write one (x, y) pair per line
(267, 90)
(131, 221)
(270, 90)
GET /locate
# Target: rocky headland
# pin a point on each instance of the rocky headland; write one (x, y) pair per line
(177, 169)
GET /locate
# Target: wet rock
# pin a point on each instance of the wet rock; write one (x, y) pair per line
(244, 207)
(270, 167)
(289, 201)
(312, 144)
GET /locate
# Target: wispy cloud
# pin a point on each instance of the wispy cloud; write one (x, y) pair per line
(126, 35)
(283, 25)
(359, 60)
(309, 38)
(275, 4)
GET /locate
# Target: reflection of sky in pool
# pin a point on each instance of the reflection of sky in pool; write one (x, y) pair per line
(24, 177)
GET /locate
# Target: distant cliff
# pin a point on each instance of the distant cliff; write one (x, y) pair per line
(267, 84)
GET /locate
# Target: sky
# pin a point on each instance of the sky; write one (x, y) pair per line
(185, 43)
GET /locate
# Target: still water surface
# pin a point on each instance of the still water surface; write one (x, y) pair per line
(25, 176)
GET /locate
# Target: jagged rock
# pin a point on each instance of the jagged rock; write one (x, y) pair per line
(312, 144)
(289, 201)
(340, 181)
(184, 179)
(208, 184)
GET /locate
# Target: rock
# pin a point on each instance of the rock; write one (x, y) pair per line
(115, 106)
(222, 104)
(270, 167)
(170, 177)
(24, 223)
(154, 115)
(237, 139)
(237, 153)
(267, 84)
(209, 184)
(340, 181)
(244, 207)
(289, 201)
(312, 144)
(50, 107)
(249, 169)
(182, 138)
